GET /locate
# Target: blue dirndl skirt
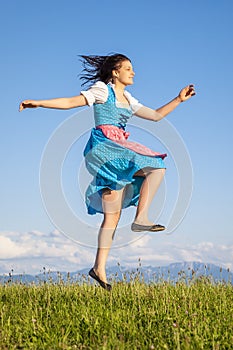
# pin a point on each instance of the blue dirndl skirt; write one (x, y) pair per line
(114, 166)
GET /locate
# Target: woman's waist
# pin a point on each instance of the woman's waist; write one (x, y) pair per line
(112, 125)
(112, 118)
(113, 132)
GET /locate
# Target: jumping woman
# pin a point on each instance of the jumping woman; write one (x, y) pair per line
(125, 173)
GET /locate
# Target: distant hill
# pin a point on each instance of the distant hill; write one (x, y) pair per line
(149, 274)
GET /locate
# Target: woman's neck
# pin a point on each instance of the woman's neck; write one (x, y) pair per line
(119, 87)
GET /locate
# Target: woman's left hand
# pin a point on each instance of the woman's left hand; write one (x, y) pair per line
(186, 93)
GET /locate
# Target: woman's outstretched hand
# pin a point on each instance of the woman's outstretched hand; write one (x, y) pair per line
(186, 93)
(28, 104)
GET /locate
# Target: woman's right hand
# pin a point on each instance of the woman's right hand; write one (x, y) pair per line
(28, 104)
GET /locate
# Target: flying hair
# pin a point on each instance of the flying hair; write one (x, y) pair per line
(97, 68)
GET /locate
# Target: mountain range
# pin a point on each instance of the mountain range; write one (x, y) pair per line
(185, 271)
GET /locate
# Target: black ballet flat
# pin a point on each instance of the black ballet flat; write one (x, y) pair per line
(102, 283)
(152, 228)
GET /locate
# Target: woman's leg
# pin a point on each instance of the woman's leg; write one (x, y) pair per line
(150, 185)
(112, 205)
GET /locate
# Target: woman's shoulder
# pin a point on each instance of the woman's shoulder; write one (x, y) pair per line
(96, 93)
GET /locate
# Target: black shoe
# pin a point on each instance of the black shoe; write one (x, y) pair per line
(102, 283)
(152, 228)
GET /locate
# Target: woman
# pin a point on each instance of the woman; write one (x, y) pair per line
(124, 173)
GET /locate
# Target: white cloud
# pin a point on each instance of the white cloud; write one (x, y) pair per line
(29, 252)
(10, 249)
(165, 252)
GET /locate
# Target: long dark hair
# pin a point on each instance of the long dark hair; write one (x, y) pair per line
(100, 67)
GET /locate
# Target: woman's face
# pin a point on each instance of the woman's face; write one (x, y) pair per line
(124, 74)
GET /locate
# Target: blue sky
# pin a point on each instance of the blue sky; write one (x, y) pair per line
(171, 44)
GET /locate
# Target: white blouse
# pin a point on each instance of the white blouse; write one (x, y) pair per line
(98, 93)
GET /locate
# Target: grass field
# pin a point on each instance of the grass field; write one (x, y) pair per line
(135, 315)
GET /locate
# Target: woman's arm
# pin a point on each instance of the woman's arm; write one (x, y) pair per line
(158, 114)
(58, 103)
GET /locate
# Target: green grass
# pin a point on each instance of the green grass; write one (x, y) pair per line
(134, 315)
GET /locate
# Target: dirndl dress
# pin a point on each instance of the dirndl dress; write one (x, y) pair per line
(111, 159)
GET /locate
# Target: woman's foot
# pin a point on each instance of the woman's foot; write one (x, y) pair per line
(148, 226)
(101, 279)
(143, 221)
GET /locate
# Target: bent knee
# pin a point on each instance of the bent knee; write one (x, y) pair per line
(163, 171)
(160, 171)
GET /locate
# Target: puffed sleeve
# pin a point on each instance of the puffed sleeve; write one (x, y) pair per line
(134, 103)
(97, 93)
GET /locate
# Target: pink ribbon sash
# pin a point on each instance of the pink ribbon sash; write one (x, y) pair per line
(120, 136)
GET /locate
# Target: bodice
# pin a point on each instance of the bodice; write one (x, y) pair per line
(109, 113)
